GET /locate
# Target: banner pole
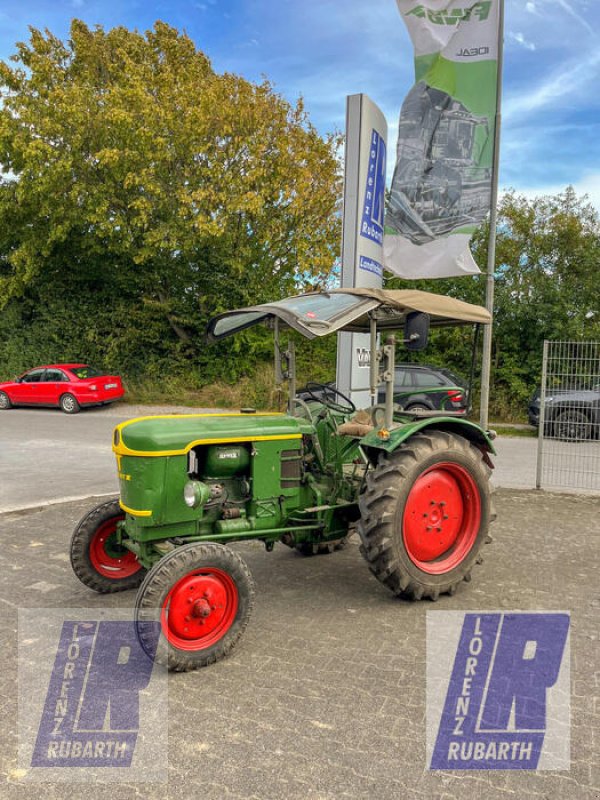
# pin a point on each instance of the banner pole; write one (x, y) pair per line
(491, 262)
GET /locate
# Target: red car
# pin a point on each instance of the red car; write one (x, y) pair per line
(69, 386)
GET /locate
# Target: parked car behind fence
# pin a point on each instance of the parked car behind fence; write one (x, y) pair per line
(571, 413)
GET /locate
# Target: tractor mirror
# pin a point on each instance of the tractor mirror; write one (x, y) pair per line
(416, 330)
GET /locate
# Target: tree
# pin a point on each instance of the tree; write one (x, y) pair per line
(133, 170)
(547, 262)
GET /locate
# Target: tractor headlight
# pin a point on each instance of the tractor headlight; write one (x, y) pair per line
(195, 494)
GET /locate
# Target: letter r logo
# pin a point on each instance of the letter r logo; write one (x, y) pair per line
(118, 671)
(528, 658)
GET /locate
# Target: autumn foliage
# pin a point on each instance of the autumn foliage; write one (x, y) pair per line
(142, 192)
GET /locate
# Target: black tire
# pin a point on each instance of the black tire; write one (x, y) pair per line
(5, 403)
(93, 563)
(388, 536)
(572, 426)
(320, 548)
(174, 574)
(69, 404)
(418, 407)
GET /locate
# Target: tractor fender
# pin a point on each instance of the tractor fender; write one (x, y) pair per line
(373, 443)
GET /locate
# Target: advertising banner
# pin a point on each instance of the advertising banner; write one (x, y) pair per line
(441, 188)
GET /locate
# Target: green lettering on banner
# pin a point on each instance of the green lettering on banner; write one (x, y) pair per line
(479, 11)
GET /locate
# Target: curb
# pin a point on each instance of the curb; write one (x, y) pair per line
(54, 502)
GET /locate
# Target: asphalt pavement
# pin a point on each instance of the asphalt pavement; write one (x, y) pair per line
(47, 456)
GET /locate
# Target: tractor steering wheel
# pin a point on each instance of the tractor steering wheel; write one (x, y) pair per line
(347, 407)
(298, 401)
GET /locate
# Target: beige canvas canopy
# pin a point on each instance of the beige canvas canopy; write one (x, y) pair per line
(321, 313)
(440, 308)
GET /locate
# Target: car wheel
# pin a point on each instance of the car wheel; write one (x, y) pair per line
(572, 426)
(4, 401)
(69, 404)
(417, 407)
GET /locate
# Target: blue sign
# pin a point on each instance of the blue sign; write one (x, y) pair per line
(494, 716)
(91, 713)
(374, 205)
(370, 265)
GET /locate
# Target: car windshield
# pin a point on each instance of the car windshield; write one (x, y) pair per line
(86, 372)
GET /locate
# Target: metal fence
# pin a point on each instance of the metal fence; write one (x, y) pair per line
(567, 407)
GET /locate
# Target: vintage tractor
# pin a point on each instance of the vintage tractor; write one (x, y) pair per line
(415, 484)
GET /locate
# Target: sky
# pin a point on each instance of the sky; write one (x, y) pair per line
(324, 50)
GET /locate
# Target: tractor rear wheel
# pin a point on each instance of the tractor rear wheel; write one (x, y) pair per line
(425, 514)
(96, 557)
(197, 601)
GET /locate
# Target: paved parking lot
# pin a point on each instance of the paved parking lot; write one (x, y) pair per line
(324, 697)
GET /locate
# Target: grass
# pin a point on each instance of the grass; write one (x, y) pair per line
(507, 430)
(256, 391)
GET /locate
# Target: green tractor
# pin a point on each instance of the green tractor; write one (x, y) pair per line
(415, 484)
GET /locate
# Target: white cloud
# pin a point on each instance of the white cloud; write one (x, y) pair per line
(571, 79)
(520, 39)
(573, 13)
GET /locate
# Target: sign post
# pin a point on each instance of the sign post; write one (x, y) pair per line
(362, 236)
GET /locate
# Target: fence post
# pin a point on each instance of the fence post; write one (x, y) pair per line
(542, 420)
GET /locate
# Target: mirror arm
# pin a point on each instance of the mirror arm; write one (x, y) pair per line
(373, 364)
(290, 354)
(389, 352)
(278, 366)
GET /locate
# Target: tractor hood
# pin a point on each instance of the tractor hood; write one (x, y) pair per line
(173, 435)
(322, 313)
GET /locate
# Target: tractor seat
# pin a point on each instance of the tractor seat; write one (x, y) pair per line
(360, 425)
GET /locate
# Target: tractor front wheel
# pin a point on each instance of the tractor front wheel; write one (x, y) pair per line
(196, 601)
(97, 558)
(425, 514)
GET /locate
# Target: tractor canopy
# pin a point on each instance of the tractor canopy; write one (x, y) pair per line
(321, 313)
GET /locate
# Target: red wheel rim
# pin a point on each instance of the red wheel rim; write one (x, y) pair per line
(441, 518)
(109, 559)
(199, 609)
